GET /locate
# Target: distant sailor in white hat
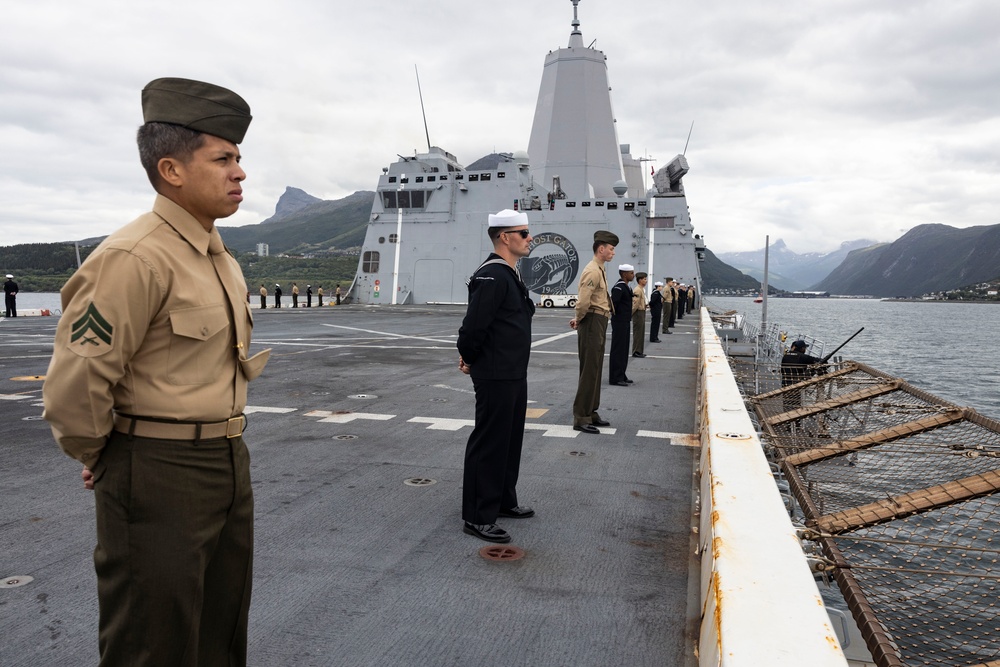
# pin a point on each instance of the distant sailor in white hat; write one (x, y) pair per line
(621, 324)
(493, 344)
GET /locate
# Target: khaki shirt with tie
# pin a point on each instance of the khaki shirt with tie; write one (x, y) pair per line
(155, 324)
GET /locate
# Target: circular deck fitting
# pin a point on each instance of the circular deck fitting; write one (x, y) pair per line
(576, 453)
(502, 554)
(15, 581)
(419, 481)
(31, 419)
(28, 378)
(733, 436)
(362, 396)
(346, 436)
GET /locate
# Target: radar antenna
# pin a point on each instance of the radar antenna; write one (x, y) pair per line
(688, 139)
(424, 113)
(576, 20)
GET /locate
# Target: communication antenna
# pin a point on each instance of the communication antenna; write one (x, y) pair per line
(424, 113)
(688, 139)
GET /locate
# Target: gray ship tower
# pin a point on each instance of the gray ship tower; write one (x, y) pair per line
(427, 229)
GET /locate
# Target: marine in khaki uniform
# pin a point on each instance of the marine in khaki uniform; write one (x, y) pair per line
(319, 295)
(593, 307)
(669, 305)
(639, 308)
(295, 295)
(147, 386)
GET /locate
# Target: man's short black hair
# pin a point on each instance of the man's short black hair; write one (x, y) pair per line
(159, 140)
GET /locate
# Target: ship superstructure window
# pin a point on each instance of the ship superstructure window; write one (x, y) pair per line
(419, 179)
(392, 179)
(630, 206)
(612, 205)
(571, 204)
(444, 177)
(664, 222)
(501, 174)
(431, 179)
(598, 203)
(485, 177)
(585, 203)
(404, 199)
(473, 177)
(369, 262)
(393, 238)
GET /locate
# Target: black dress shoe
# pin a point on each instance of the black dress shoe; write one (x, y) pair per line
(638, 355)
(627, 381)
(600, 422)
(620, 383)
(489, 532)
(586, 428)
(518, 512)
(655, 341)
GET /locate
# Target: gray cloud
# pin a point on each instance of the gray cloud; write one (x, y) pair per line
(818, 122)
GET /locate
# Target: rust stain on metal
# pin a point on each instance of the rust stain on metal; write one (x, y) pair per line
(502, 554)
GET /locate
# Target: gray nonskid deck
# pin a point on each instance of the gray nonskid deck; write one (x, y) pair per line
(355, 567)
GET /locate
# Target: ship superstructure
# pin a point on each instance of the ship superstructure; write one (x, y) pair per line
(426, 233)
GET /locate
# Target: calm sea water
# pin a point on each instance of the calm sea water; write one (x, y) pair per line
(946, 349)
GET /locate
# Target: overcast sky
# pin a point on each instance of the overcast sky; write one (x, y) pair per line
(816, 121)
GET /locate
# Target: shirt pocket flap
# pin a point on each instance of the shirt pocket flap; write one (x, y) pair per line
(199, 322)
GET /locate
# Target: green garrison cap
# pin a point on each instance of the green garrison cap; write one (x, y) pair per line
(203, 107)
(602, 236)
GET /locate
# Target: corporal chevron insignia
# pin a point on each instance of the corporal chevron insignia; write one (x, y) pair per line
(92, 334)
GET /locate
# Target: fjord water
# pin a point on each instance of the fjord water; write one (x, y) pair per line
(945, 348)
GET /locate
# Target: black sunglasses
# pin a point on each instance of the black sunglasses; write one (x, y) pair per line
(523, 232)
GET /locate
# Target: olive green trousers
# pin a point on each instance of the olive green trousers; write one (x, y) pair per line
(591, 336)
(174, 554)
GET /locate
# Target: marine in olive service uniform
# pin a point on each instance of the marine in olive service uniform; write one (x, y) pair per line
(146, 387)
(593, 307)
(639, 307)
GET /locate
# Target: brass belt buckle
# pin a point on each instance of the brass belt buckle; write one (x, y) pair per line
(238, 421)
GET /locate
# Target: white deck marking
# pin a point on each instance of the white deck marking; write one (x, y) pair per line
(679, 439)
(250, 409)
(551, 339)
(442, 424)
(562, 430)
(328, 416)
(14, 397)
(390, 334)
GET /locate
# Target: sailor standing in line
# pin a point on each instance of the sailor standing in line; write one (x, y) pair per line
(277, 295)
(621, 323)
(10, 296)
(147, 387)
(319, 295)
(494, 344)
(263, 296)
(593, 306)
(309, 296)
(639, 308)
(295, 295)
(655, 309)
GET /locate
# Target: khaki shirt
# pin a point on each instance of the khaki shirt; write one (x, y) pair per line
(668, 294)
(154, 324)
(263, 291)
(295, 290)
(593, 290)
(638, 299)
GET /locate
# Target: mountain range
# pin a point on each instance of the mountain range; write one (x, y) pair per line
(928, 258)
(787, 269)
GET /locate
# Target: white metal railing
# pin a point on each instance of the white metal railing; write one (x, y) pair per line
(759, 602)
